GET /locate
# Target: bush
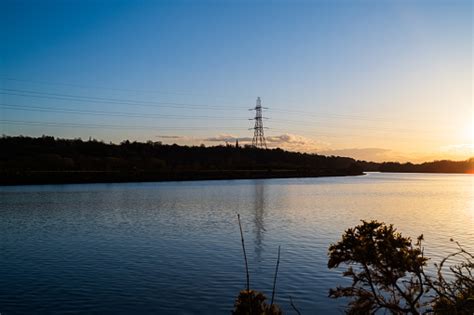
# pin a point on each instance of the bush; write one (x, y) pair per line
(387, 272)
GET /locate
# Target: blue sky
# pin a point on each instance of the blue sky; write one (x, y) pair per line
(371, 79)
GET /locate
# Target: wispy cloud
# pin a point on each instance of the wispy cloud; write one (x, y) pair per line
(297, 143)
(228, 138)
(171, 137)
(290, 142)
(463, 148)
(367, 154)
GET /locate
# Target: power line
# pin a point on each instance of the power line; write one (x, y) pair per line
(107, 113)
(119, 127)
(68, 97)
(340, 116)
(142, 103)
(80, 98)
(174, 116)
(311, 123)
(283, 110)
(82, 86)
(42, 95)
(125, 127)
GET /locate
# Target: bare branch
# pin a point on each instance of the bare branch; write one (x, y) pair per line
(245, 254)
(275, 277)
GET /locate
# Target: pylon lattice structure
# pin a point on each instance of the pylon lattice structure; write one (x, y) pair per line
(258, 140)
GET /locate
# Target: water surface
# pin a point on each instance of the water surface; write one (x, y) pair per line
(174, 248)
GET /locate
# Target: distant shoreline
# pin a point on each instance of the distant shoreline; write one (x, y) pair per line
(90, 177)
(109, 177)
(49, 160)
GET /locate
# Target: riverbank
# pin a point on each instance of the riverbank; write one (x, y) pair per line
(76, 177)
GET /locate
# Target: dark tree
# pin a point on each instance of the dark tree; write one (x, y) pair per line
(386, 269)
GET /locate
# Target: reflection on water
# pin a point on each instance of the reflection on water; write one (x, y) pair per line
(259, 229)
(174, 248)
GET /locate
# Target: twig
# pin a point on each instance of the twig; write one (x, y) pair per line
(245, 254)
(275, 277)
(294, 307)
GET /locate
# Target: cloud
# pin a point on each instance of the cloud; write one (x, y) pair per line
(298, 143)
(285, 141)
(171, 137)
(464, 148)
(290, 139)
(180, 139)
(366, 154)
(227, 138)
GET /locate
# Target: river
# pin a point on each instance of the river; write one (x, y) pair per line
(174, 247)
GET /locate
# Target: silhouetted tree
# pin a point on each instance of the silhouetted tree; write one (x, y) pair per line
(386, 269)
(387, 272)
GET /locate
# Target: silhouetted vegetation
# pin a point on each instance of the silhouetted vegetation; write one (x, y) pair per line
(49, 160)
(254, 303)
(387, 272)
(382, 258)
(27, 160)
(457, 296)
(251, 302)
(444, 166)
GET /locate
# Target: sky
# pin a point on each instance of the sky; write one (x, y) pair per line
(375, 80)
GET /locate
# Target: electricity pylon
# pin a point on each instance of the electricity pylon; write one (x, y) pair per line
(258, 140)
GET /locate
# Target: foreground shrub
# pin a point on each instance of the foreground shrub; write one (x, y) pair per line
(456, 296)
(387, 272)
(254, 303)
(386, 269)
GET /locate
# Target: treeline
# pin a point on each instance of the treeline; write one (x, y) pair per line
(444, 166)
(48, 159)
(52, 160)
